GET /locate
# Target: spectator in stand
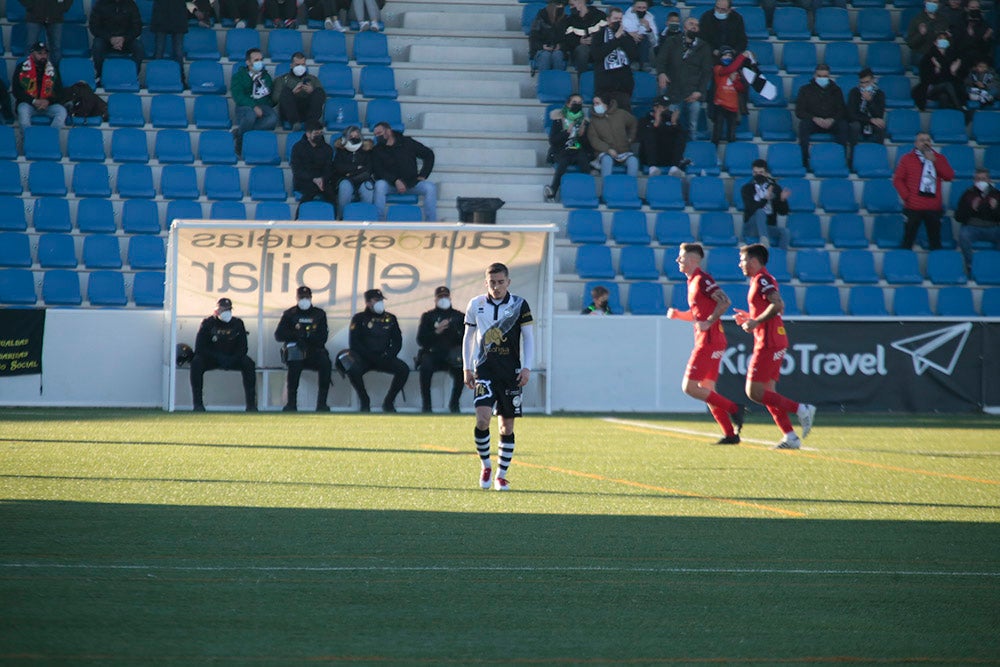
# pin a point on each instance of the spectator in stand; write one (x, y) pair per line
(246, 13)
(684, 65)
(820, 108)
(866, 111)
(312, 165)
(598, 302)
(252, 89)
(300, 95)
(567, 142)
(614, 51)
(394, 163)
(281, 13)
(116, 27)
(672, 29)
(729, 97)
(918, 179)
(939, 75)
(641, 26)
(369, 15)
(763, 201)
(45, 15)
(979, 212)
(611, 133)
(953, 12)
(662, 140)
(583, 23)
(922, 29)
(36, 88)
(982, 85)
(333, 13)
(545, 39)
(352, 168)
(974, 38)
(723, 26)
(170, 21)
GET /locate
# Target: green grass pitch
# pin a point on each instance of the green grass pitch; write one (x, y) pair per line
(140, 537)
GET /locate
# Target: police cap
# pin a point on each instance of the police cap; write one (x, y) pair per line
(374, 295)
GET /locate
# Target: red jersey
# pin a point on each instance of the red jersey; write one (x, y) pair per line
(701, 287)
(769, 335)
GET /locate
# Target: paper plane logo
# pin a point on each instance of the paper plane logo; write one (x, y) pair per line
(939, 349)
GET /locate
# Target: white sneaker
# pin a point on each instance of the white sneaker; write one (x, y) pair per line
(338, 26)
(328, 24)
(675, 171)
(595, 163)
(806, 413)
(241, 24)
(377, 26)
(765, 241)
(500, 484)
(790, 441)
(364, 25)
(484, 478)
(654, 171)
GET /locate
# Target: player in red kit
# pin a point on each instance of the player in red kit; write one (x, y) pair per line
(769, 344)
(707, 304)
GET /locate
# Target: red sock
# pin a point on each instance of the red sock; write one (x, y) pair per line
(780, 418)
(722, 417)
(719, 401)
(774, 399)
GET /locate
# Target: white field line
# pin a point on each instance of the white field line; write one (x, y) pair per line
(684, 431)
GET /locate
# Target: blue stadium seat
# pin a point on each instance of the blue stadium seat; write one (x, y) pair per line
(91, 179)
(140, 216)
(528, 14)
(614, 298)
(801, 199)
(946, 267)
(146, 253)
(46, 179)
(338, 80)
(778, 100)
(775, 125)
(272, 210)
(620, 191)
(813, 266)
(125, 110)
(8, 143)
(554, 86)
(857, 266)
(843, 59)
(372, 48)
(678, 296)
(216, 146)
(95, 216)
(875, 25)
(879, 196)
(955, 302)
(836, 195)
(15, 249)
(316, 210)
(871, 161)
(887, 231)
(168, 111)
(291, 139)
(737, 293)
(101, 251)
(885, 58)
(183, 210)
(578, 191)
(663, 193)
(61, 287)
(72, 70)
(646, 298)
(785, 159)
(645, 90)
(957, 187)
(240, 40)
(805, 231)
(260, 147)
(798, 58)
(708, 193)
(222, 183)
(228, 210)
(17, 287)
(900, 267)
(148, 288)
(791, 23)
(135, 181)
(329, 46)
(847, 230)
(404, 213)
(828, 161)
(13, 219)
(754, 23)
(764, 53)
(379, 111)
(128, 144)
(212, 113)
(119, 76)
(739, 156)
(832, 23)
(777, 265)
(990, 304)
(948, 126)
(962, 159)
(41, 142)
(174, 147)
(267, 183)
(85, 144)
(670, 269)
(866, 301)
(206, 78)
(75, 13)
(986, 267)
(585, 226)
(897, 94)
(704, 158)
(281, 44)
(947, 235)
(201, 44)
(673, 228)
(360, 211)
(822, 300)
(911, 301)
(638, 263)
(790, 299)
(179, 181)
(106, 288)
(723, 264)
(10, 179)
(716, 229)
(629, 228)
(163, 76)
(348, 109)
(902, 125)
(986, 127)
(586, 83)
(594, 261)
(51, 215)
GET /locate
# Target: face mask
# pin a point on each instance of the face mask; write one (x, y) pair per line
(600, 109)
(822, 81)
(942, 44)
(576, 107)
(975, 14)
(691, 34)
(226, 315)
(305, 304)
(870, 88)
(378, 307)
(353, 145)
(316, 138)
(673, 28)
(760, 179)
(983, 186)
(726, 61)
(721, 15)
(930, 7)
(299, 70)
(614, 26)
(380, 140)
(641, 14)
(257, 65)
(444, 303)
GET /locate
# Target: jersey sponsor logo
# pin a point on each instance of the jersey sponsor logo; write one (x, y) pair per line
(493, 337)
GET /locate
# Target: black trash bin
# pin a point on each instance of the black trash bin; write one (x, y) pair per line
(480, 210)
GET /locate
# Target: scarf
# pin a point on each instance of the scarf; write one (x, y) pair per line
(29, 79)
(260, 89)
(760, 194)
(617, 58)
(574, 121)
(928, 176)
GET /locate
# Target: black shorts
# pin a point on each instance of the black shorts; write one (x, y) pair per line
(500, 392)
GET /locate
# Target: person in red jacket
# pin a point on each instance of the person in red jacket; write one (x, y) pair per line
(918, 179)
(730, 91)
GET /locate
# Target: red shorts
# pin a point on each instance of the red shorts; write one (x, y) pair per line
(704, 364)
(765, 365)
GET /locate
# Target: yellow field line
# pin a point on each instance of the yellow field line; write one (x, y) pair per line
(637, 485)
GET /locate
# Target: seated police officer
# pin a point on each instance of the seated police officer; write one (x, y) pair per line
(440, 338)
(303, 331)
(375, 340)
(222, 343)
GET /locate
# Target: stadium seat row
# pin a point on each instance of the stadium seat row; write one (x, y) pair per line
(99, 251)
(61, 287)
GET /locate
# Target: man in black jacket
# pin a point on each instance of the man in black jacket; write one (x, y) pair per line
(116, 26)
(303, 331)
(312, 165)
(440, 336)
(684, 66)
(614, 51)
(222, 343)
(47, 15)
(352, 169)
(979, 212)
(763, 201)
(820, 108)
(394, 160)
(375, 341)
(866, 110)
(723, 26)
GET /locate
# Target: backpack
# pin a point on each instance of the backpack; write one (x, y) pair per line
(84, 102)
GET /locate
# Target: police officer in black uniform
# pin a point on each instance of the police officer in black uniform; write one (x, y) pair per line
(440, 339)
(303, 331)
(375, 339)
(222, 343)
